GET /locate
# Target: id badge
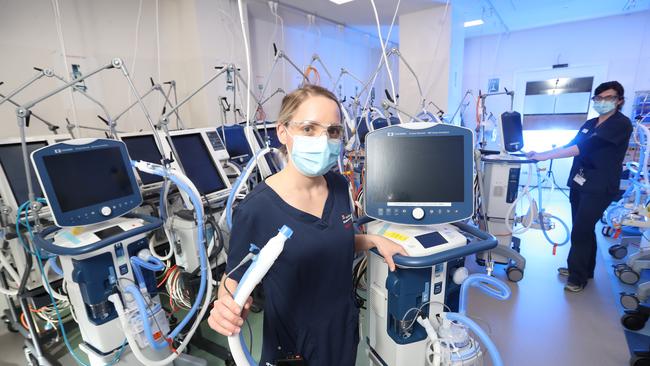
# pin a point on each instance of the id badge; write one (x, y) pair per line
(580, 178)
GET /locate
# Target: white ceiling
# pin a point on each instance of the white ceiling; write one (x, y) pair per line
(499, 15)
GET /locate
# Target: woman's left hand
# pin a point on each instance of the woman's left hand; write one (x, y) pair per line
(387, 248)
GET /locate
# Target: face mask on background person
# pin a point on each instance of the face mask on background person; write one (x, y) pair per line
(604, 106)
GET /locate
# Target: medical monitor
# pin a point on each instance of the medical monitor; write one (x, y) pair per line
(87, 181)
(143, 147)
(419, 174)
(234, 137)
(13, 181)
(14, 178)
(200, 166)
(512, 135)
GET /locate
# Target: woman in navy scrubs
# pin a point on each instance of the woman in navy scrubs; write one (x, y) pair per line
(599, 149)
(309, 308)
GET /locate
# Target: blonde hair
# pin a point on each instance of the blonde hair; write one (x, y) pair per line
(292, 101)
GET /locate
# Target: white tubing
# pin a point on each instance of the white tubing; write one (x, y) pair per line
(383, 54)
(56, 295)
(152, 249)
(433, 337)
(254, 275)
(248, 68)
(524, 193)
(10, 270)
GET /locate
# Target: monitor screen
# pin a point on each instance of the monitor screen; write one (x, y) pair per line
(417, 169)
(198, 164)
(236, 143)
(105, 177)
(512, 131)
(144, 148)
(11, 160)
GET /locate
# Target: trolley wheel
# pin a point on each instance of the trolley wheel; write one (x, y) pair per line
(628, 276)
(629, 301)
(634, 320)
(607, 231)
(603, 220)
(8, 324)
(30, 358)
(515, 274)
(618, 251)
(640, 361)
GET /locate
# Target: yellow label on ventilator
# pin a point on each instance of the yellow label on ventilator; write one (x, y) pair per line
(396, 236)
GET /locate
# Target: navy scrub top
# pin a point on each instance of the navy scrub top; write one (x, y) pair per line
(602, 150)
(309, 304)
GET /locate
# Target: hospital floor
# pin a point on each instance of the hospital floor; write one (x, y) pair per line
(540, 324)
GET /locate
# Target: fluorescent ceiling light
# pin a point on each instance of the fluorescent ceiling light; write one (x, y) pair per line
(339, 2)
(471, 23)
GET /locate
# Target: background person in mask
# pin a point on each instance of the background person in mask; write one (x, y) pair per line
(599, 149)
(309, 308)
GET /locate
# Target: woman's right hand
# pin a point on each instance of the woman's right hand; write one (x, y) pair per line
(226, 317)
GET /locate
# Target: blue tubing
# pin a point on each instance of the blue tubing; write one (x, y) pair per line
(231, 198)
(55, 267)
(499, 290)
(196, 202)
(152, 264)
(485, 339)
(142, 309)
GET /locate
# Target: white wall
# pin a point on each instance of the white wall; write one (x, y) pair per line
(195, 36)
(429, 40)
(94, 33)
(618, 44)
(357, 53)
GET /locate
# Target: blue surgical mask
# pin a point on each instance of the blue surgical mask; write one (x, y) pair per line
(604, 106)
(314, 156)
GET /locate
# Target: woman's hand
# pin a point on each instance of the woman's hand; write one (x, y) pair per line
(226, 317)
(387, 248)
(536, 156)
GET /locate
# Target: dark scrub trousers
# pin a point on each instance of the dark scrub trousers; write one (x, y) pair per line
(598, 167)
(309, 307)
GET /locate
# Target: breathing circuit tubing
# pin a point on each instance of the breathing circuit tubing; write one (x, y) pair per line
(491, 287)
(205, 286)
(541, 215)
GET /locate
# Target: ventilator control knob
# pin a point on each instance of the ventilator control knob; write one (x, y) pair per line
(418, 213)
(106, 211)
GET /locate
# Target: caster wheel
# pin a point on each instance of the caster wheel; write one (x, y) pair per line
(628, 276)
(30, 359)
(603, 220)
(640, 361)
(618, 251)
(634, 321)
(8, 324)
(515, 274)
(607, 231)
(629, 301)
